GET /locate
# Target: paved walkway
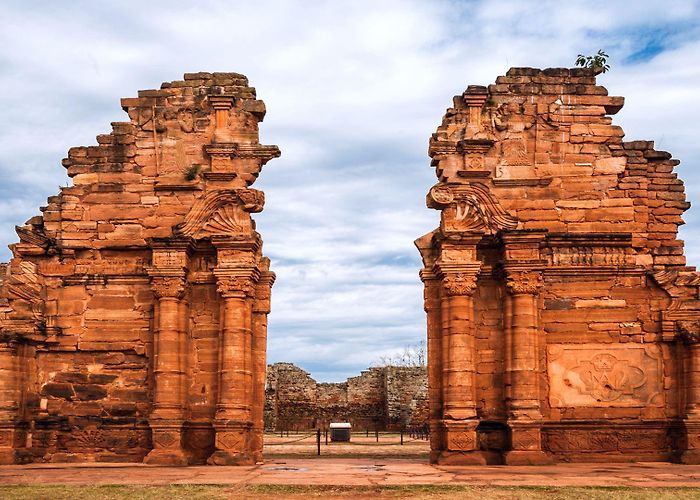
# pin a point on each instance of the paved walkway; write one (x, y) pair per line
(358, 472)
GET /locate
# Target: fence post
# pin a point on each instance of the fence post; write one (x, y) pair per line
(402, 436)
(326, 433)
(376, 434)
(318, 442)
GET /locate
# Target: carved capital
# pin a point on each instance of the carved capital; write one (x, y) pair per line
(688, 331)
(525, 282)
(459, 284)
(236, 286)
(168, 287)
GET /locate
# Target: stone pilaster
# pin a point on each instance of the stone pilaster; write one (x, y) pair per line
(431, 298)
(457, 302)
(233, 411)
(689, 334)
(167, 415)
(459, 363)
(523, 369)
(261, 308)
(9, 402)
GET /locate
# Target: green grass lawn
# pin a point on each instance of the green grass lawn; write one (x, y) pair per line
(193, 492)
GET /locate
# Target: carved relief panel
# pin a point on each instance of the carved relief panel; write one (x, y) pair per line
(604, 375)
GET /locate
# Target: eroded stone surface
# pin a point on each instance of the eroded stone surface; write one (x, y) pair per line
(563, 323)
(133, 320)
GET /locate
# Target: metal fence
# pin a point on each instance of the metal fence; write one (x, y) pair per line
(381, 438)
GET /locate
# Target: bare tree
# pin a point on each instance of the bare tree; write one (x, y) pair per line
(412, 355)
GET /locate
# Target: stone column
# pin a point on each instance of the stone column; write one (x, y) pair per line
(459, 368)
(167, 416)
(261, 308)
(431, 298)
(233, 411)
(9, 402)
(522, 362)
(689, 334)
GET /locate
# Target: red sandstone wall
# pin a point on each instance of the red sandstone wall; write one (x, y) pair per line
(386, 398)
(559, 305)
(81, 294)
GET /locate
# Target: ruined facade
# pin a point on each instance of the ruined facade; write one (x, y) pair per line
(563, 323)
(134, 309)
(380, 398)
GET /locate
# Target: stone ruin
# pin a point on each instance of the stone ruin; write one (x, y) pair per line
(563, 323)
(134, 310)
(386, 398)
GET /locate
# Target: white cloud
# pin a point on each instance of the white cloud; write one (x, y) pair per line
(353, 89)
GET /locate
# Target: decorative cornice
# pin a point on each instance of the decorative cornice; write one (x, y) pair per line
(243, 150)
(525, 282)
(168, 287)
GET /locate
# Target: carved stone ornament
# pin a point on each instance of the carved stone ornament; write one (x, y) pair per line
(688, 331)
(229, 440)
(222, 213)
(461, 440)
(604, 375)
(459, 284)
(441, 194)
(24, 284)
(470, 207)
(526, 282)
(168, 287)
(236, 285)
(526, 439)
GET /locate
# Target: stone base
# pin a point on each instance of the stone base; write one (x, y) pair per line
(474, 457)
(164, 456)
(222, 457)
(232, 444)
(523, 457)
(8, 456)
(690, 457)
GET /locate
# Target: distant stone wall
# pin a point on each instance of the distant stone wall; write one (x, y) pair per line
(383, 398)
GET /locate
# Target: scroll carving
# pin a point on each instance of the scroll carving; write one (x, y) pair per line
(24, 284)
(470, 208)
(526, 282)
(222, 213)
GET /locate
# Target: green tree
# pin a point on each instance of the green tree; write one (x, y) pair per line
(598, 62)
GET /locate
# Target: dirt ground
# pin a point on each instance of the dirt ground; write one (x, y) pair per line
(361, 469)
(360, 445)
(358, 472)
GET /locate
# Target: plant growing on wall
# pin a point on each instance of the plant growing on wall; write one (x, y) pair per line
(192, 171)
(597, 62)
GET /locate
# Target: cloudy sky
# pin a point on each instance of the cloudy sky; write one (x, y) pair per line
(353, 90)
